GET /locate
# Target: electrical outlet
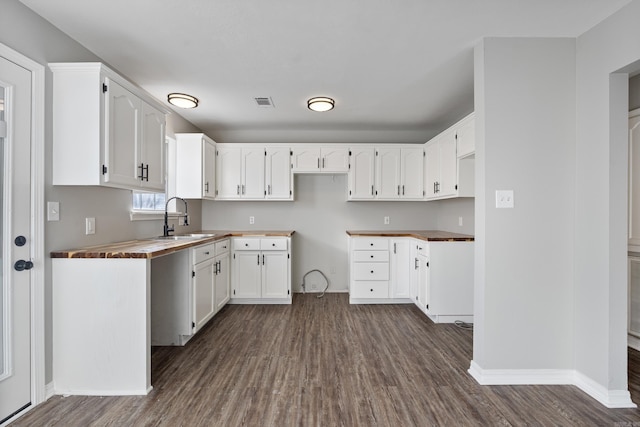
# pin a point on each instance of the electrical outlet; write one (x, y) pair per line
(252, 220)
(386, 220)
(90, 226)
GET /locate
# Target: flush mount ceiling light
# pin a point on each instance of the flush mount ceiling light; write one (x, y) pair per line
(182, 100)
(320, 103)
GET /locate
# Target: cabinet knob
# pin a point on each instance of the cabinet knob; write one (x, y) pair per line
(371, 256)
(206, 253)
(371, 244)
(273, 244)
(246, 244)
(371, 290)
(371, 271)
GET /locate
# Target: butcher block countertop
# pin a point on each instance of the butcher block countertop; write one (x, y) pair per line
(427, 235)
(157, 246)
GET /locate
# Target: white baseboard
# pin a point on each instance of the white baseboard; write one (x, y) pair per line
(633, 342)
(608, 398)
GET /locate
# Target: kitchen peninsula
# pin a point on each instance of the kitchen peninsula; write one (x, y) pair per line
(103, 318)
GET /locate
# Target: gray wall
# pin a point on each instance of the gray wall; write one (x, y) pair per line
(601, 196)
(525, 111)
(320, 216)
(34, 37)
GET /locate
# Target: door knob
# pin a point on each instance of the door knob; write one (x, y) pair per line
(20, 241)
(22, 265)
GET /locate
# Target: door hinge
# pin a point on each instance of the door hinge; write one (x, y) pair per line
(423, 193)
(193, 274)
(234, 291)
(291, 153)
(456, 186)
(288, 292)
(427, 306)
(349, 152)
(265, 153)
(193, 324)
(288, 256)
(234, 256)
(427, 263)
(104, 170)
(105, 88)
(290, 193)
(349, 192)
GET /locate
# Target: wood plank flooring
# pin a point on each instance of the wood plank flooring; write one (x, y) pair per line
(323, 362)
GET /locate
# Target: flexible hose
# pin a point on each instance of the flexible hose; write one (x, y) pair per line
(304, 278)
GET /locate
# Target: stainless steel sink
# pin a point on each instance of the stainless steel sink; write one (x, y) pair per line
(185, 236)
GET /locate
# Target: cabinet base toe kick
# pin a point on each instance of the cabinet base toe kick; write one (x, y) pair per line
(263, 301)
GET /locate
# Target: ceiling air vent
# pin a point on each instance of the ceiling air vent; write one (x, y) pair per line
(264, 102)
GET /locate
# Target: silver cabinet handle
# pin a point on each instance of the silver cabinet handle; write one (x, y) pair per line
(238, 190)
(269, 189)
(403, 189)
(243, 189)
(415, 265)
(394, 248)
(323, 163)
(318, 162)
(372, 190)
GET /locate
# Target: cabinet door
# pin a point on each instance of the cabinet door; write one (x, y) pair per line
(466, 137)
(278, 173)
(275, 283)
(122, 154)
(423, 282)
(306, 159)
(209, 170)
(334, 159)
(361, 174)
(247, 274)
(388, 173)
(412, 168)
(431, 169)
(448, 167)
(228, 172)
(222, 292)
(253, 173)
(401, 268)
(153, 148)
(203, 304)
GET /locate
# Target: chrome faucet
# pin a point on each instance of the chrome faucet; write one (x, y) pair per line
(167, 231)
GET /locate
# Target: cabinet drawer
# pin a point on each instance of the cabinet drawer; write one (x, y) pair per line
(373, 243)
(371, 271)
(222, 247)
(246, 244)
(273, 244)
(204, 252)
(368, 289)
(370, 256)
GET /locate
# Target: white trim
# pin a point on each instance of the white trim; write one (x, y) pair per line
(49, 390)
(37, 220)
(153, 215)
(609, 398)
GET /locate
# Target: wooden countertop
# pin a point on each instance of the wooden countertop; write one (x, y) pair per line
(155, 247)
(427, 235)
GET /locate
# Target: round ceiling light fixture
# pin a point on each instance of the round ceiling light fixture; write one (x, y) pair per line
(320, 103)
(182, 100)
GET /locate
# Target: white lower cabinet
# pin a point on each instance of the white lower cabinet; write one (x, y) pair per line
(436, 276)
(187, 289)
(369, 269)
(261, 270)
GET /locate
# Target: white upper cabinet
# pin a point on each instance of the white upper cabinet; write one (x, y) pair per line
(399, 173)
(278, 173)
(195, 166)
(387, 173)
(106, 131)
(362, 173)
(450, 162)
(323, 158)
(240, 172)
(466, 136)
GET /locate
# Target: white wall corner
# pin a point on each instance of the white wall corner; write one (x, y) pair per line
(609, 398)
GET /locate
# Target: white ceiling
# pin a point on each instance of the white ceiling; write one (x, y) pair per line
(400, 71)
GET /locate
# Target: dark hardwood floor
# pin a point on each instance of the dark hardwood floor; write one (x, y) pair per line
(323, 362)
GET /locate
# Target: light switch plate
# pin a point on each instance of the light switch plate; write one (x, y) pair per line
(90, 226)
(504, 198)
(53, 211)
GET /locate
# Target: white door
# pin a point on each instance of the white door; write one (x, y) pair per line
(15, 184)
(388, 173)
(253, 173)
(274, 275)
(361, 176)
(278, 173)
